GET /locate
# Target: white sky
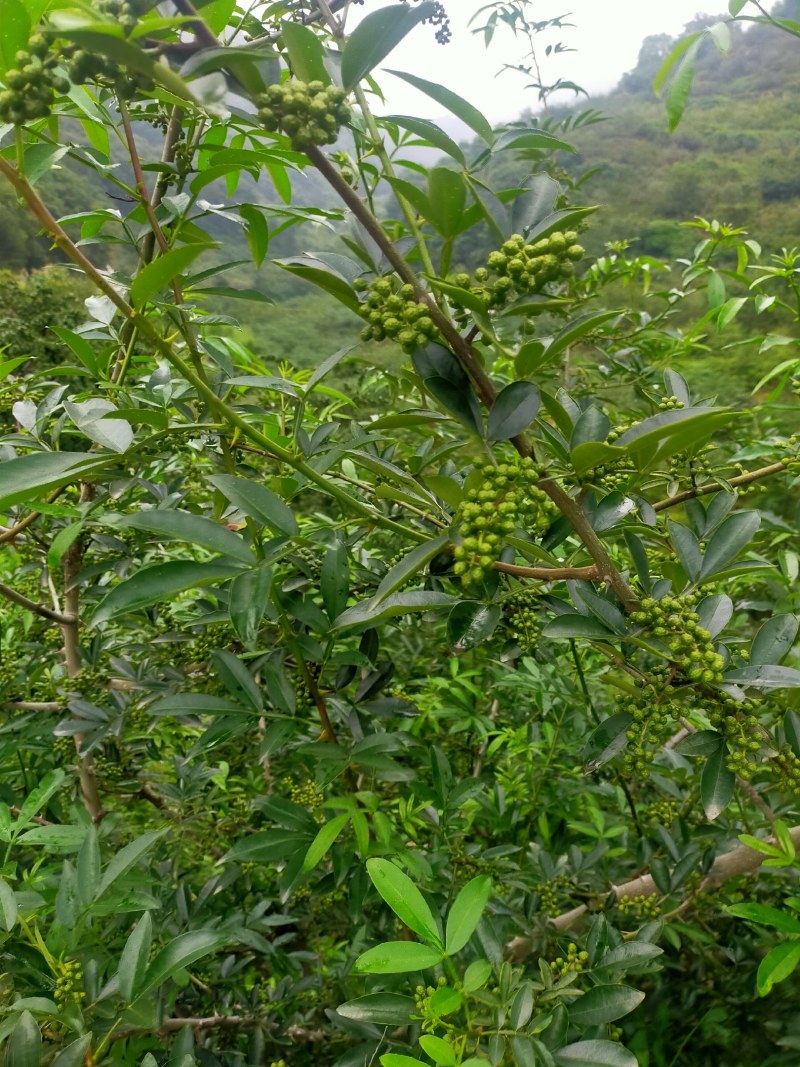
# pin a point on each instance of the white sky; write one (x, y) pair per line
(607, 37)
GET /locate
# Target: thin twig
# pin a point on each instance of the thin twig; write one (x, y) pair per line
(715, 487)
(549, 574)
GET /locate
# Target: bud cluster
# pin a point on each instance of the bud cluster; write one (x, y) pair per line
(662, 812)
(548, 894)
(422, 1001)
(498, 499)
(393, 311)
(736, 721)
(309, 113)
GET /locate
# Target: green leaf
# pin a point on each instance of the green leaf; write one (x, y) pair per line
(24, 1047)
(31, 477)
(411, 563)
(126, 858)
(677, 52)
(717, 784)
(459, 400)
(728, 541)
(607, 739)
(156, 276)
(438, 1050)
(152, 585)
(306, 52)
(681, 86)
(268, 846)
(397, 957)
(74, 1054)
(466, 912)
(735, 6)
(194, 529)
(593, 454)
(392, 1059)
(699, 743)
(319, 274)
(180, 953)
(777, 965)
(8, 905)
(249, 601)
(477, 975)
(595, 1053)
(236, 678)
(764, 677)
(447, 196)
(334, 579)
(256, 230)
(576, 626)
(381, 1009)
(604, 1004)
(453, 103)
(133, 961)
(576, 330)
(791, 727)
(39, 797)
(760, 913)
(429, 132)
(61, 837)
(376, 36)
(404, 899)
(370, 612)
(630, 956)
(774, 639)
(257, 502)
(88, 867)
(470, 623)
(687, 548)
(324, 839)
(16, 25)
(513, 411)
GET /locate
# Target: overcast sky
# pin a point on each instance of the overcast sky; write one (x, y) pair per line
(607, 37)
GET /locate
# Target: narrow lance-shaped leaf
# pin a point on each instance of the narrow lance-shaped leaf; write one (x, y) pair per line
(404, 899)
(466, 912)
(397, 957)
(376, 36)
(133, 961)
(716, 784)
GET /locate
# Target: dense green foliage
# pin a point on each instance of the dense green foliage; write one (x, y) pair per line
(438, 714)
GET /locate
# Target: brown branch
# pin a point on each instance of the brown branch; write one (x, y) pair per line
(549, 574)
(203, 34)
(33, 705)
(170, 1026)
(740, 860)
(37, 609)
(714, 487)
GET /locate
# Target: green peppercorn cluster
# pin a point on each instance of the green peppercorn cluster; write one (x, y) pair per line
(662, 812)
(309, 113)
(422, 1000)
(786, 768)
(32, 85)
(615, 1033)
(518, 268)
(655, 712)
(305, 794)
(548, 893)
(523, 619)
(68, 981)
(640, 907)
(278, 1063)
(572, 963)
(137, 719)
(86, 67)
(90, 682)
(670, 403)
(676, 624)
(738, 724)
(498, 499)
(64, 750)
(108, 770)
(392, 311)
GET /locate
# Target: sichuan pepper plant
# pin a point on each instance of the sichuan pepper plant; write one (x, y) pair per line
(512, 657)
